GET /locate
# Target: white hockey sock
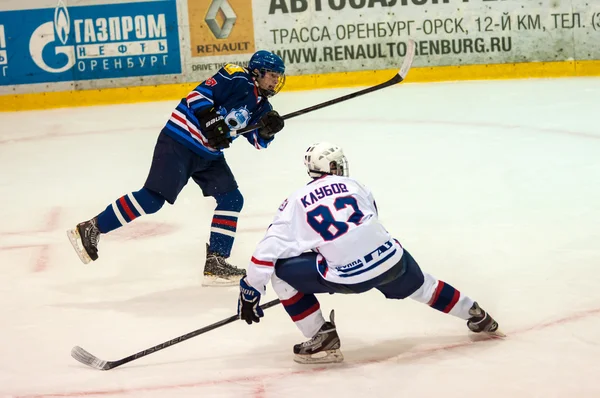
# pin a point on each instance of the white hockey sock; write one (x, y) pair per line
(443, 297)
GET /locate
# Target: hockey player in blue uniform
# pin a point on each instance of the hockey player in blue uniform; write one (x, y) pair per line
(326, 238)
(191, 146)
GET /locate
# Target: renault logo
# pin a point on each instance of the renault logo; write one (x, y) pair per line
(220, 31)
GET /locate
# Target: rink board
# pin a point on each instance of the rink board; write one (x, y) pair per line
(175, 91)
(57, 54)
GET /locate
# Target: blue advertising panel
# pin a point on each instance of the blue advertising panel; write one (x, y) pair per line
(89, 42)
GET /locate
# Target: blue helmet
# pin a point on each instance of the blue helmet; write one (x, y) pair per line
(265, 61)
(268, 61)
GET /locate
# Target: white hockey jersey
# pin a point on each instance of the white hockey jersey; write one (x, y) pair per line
(336, 217)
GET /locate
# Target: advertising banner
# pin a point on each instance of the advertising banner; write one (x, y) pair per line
(325, 36)
(89, 42)
(221, 31)
(64, 45)
(319, 36)
(217, 28)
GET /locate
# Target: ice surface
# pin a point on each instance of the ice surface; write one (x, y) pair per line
(494, 187)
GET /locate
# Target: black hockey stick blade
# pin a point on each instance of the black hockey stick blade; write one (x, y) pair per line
(398, 78)
(93, 361)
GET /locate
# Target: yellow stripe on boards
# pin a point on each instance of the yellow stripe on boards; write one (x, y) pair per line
(124, 95)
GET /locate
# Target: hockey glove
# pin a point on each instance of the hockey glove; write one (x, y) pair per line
(249, 303)
(214, 127)
(272, 124)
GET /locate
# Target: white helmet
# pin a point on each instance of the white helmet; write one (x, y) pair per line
(325, 158)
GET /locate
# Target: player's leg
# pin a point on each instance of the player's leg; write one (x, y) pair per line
(224, 222)
(295, 281)
(439, 295)
(216, 179)
(169, 173)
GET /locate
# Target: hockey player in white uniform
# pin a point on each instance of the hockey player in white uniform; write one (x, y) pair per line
(326, 238)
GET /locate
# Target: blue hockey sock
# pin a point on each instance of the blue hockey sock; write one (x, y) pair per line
(301, 306)
(224, 222)
(444, 297)
(129, 207)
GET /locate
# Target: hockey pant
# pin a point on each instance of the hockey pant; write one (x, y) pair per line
(296, 281)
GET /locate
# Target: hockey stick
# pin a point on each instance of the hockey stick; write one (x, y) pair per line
(398, 78)
(90, 360)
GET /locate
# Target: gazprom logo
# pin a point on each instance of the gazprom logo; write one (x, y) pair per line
(99, 43)
(3, 55)
(46, 34)
(62, 23)
(220, 9)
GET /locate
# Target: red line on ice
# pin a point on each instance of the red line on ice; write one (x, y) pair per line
(43, 257)
(262, 379)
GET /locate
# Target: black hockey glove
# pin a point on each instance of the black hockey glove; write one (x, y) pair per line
(214, 127)
(249, 303)
(272, 124)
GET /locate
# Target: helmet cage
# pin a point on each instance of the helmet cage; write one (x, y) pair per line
(326, 159)
(280, 82)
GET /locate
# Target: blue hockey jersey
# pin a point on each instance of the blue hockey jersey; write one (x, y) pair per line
(234, 94)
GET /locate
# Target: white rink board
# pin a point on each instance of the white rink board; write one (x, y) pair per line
(324, 36)
(312, 36)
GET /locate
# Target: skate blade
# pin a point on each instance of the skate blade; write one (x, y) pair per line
(73, 236)
(330, 356)
(497, 333)
(215, 281)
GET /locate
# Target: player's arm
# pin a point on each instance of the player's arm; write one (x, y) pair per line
(372, 200)
(369, 195)
(272, 124)
(279, 242)
(204, 103)
(214, 90)
(202, 97)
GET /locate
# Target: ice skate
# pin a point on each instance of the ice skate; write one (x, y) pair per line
(482, 322)
(88, 234)
(324, 347)
(218, 272)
